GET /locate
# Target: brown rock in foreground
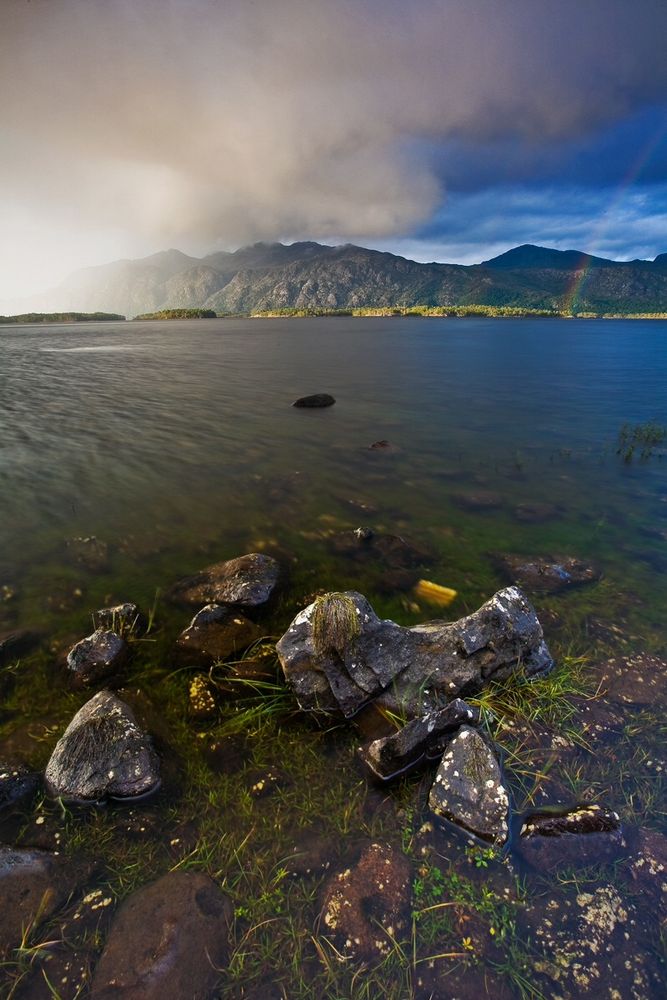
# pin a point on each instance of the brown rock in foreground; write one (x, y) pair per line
(215, 633)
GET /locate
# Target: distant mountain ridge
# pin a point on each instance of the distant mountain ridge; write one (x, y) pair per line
(307, 275)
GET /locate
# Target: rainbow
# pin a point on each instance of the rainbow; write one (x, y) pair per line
(573, 294)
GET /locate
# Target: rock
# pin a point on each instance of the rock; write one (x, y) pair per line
(215, 633)
(248, 581)
(412, 670)
(426, 737)
(536, 513)
(394, 551)
(103, 754)
(33, 884)
(169, 939)
(201, 698)
(17, 643)
(365, 907)
(99, 657)
(640, 679)
(582, 836)
(90, 552)
(648, 868)
(383, 445)
(125, 619)
(548, 574)
(16, 782)
(469, 790)
(317, 400)
(480, 501)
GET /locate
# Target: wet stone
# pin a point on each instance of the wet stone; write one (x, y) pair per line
(582, 836)
(103, 754)
(648, 868)
(214, 634)
(481, 500)
(90, 552)
(394, 551)
(16, 643)
(469, 790)
(248, 581)
(536, 513)
(548, 574)
(365, 907)
(422, 738)
(169, 939)
(640, 679)
(17, 782)
(124, 619)
(317, 400)
(99, 657)
(202, 704)
(411, 670)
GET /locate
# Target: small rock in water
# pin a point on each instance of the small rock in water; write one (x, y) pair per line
(16, 643)
(169, 940)
(215, 633)
(316, 401)
(480, 501)
(99, 657)
(548, 574)
(426, 737)
(536, 513)
(365, 907)
(247, 581)
(469, 790)
(103, 754)
(582, 836)
(125, 619)
(16, 782)
(91, 552)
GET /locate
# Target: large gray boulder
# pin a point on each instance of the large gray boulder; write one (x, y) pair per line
(351, 657)
(246, 582)
(103, 754)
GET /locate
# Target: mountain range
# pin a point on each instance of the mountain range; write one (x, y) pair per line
(307, 275)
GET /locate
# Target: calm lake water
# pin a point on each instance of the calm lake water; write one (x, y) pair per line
(176, 445)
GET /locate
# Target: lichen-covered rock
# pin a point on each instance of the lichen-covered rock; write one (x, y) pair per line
(316, 401)
(99, 657)
(125, 619)
(16, 782)
(169, 939)
(547, 574)
(201, 698)
(469, 789)
(648, 868)
(247, 581)
(103, 754)
(412, 670)
(365, 907)
(426, 737)
(215, 633)
(585, 835)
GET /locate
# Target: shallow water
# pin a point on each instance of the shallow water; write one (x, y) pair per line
(176, 444)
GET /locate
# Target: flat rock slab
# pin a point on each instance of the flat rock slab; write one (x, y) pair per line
(33, 884)
(103, 754)
(215, 633)
(99, 657)
(317, 400)
(469, 789)
(365, 907)
(582, 836)
(640, 679)
(247, 581)
(412, 670)
(547, 574)
(426, 737)
(168, 940)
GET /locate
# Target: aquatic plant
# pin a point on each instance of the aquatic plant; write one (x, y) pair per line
(640, 439)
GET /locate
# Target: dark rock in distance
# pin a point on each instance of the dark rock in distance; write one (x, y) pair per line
(99, 657)
(582, 836)
(169, 939)
(469, 789)
(33, 884)
(479, 501)
(247, 581)
(215, 633)
(536, 513)
(16, 782)
(426, 737)
(548, 574)
(317, 401)
(125, 619)
(365, 906)
(413, 670)
(103, 754)
(91, 552)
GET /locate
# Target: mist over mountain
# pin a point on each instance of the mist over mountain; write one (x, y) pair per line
(308, 275)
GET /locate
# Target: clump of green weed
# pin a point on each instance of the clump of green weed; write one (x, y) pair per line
(335, 623)
(640, 440)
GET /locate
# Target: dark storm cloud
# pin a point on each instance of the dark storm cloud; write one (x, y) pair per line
(227, 121)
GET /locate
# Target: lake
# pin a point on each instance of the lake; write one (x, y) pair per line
(176, 446)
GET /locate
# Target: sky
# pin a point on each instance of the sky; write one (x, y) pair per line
(443, 130)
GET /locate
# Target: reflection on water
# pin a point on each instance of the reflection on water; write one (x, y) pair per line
(176, 445)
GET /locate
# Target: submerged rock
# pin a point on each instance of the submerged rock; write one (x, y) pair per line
(247, 581)
(215, 633)
(365, 907)
(640, 679)
(548, 574)
(99, 657)
(316, 401)
(17, 642)
(585, 835)
(412, 670)
(169, 939)
(469, 790)
(125, 619)
(103, 754)
(91, 552)
(16, 782)
(425, 737)
(480, 501)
